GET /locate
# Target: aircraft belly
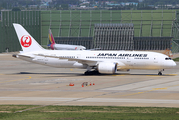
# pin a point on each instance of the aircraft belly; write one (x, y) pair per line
(64, 63)
(146, 65)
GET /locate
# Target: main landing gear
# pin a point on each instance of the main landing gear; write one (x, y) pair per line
(94, 72)
(160, 72)
(91, 72)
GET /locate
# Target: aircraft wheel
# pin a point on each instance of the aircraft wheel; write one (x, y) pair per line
(92, 72)
(160, 73)
(87, 73)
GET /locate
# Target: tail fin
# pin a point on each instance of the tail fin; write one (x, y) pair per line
(27, 42)
(52, 41)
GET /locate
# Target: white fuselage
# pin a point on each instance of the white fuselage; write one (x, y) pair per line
(101, 61)
(124, 59)
(68, 47)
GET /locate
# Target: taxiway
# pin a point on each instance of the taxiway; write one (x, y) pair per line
(22, 82)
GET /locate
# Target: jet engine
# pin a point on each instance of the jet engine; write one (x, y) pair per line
(107, 67)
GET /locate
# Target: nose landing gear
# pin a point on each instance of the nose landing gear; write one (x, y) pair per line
(160, 72)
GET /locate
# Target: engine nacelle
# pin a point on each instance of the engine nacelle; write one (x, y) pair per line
(107, 67)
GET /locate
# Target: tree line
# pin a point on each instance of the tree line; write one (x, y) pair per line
(63, 4)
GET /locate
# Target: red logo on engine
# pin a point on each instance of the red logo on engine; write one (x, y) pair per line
(26, 41)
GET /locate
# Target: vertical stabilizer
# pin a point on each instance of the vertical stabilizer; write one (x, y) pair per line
(27, 42)
(52, 41)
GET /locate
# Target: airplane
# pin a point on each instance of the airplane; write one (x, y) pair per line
(96, 62)
(55, 46)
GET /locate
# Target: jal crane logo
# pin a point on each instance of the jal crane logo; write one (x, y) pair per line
(26, 41)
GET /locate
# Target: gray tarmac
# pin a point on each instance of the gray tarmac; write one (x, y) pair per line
(24, 83)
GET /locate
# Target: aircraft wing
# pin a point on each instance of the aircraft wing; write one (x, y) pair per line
(84, 61)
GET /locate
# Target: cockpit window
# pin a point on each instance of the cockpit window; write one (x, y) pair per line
(167, 58)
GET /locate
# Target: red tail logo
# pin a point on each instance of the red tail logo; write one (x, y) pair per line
(26, 41)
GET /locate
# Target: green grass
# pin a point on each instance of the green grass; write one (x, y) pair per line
(9, 112)
(176, 59)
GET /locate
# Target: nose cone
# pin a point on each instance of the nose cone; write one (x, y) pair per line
(173, 64)
(169, 64)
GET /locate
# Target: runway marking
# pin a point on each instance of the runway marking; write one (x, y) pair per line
(171, 74)
(156, 75)
(111, 100)
(29, 77)
(165, 87)
(140, 92)
(160, 88)
(134, 93)
(163, 75)
(173, 86)
(118, 75)
(154, 89)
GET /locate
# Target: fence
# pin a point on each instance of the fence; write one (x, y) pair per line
(114, 36)
(29, 19)
(152, 43)
(75, 25)
(175, 34)
(81, 23)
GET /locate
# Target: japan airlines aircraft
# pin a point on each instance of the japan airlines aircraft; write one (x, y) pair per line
(55, 46)
(107, 62)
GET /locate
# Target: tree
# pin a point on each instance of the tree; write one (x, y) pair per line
(16, 9)
(64, 6)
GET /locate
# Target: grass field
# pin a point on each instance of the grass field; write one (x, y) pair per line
(176, 59)
(71, 20)
(18, 112)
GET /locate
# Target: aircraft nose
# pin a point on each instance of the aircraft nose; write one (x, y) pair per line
(173, 64)
(170, 64)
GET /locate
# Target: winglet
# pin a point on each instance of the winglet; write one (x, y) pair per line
(27, 42)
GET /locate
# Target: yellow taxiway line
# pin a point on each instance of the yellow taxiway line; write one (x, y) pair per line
(29, 77)
(153, 89)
